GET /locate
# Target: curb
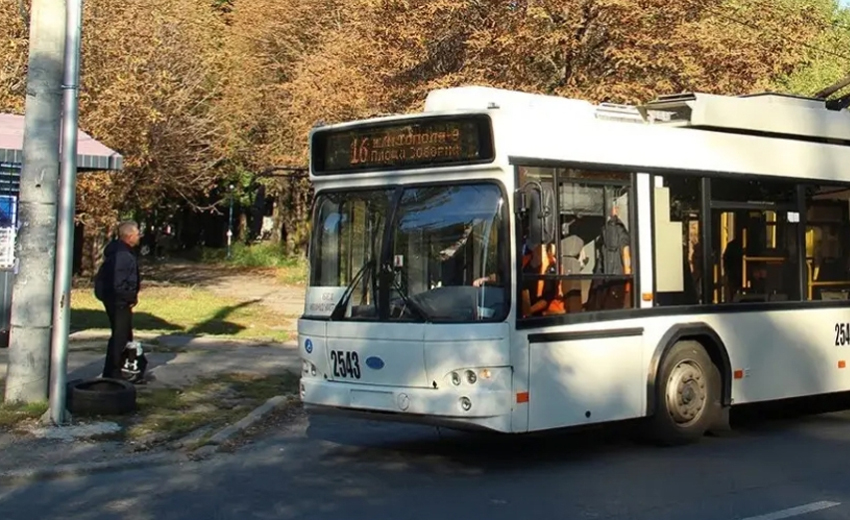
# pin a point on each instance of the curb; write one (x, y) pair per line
(256, 414)
(228, 432)
(32, 475)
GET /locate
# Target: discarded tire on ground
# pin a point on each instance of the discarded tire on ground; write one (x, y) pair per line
(101, 397)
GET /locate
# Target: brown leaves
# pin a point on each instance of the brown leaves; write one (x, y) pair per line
(189, 92)
(604, 50)
(13, 57)
(153, 73)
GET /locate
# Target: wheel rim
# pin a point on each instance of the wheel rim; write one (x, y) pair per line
(686, 393)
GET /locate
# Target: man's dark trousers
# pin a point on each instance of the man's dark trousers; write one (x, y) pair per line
(121, 323)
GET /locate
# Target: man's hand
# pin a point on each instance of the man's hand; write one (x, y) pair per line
(481, 281)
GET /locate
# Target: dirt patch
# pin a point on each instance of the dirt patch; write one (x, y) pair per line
(210, 403)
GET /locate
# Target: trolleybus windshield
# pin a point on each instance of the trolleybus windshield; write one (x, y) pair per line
(442, 240)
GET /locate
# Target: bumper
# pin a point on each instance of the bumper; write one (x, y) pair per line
(489, 409)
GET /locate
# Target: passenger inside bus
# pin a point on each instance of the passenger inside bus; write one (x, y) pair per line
(613, 258)
(573, 261)
(540, 296)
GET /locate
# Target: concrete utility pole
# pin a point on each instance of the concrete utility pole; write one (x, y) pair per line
(32, 296)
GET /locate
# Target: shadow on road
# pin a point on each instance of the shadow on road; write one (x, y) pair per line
(360, 441)
(384, 470)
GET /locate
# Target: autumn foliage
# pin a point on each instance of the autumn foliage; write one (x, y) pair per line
(195, 94)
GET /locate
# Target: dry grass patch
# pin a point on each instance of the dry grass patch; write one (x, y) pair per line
(167, 413)
(294, 273)
(186, 310)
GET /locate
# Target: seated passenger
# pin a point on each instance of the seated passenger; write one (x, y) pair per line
(541, 297)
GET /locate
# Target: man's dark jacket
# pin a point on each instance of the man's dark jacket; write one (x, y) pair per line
(117, 280)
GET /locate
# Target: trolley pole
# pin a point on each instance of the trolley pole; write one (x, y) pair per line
(66, 210)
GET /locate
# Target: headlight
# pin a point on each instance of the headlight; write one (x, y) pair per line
(308, 368)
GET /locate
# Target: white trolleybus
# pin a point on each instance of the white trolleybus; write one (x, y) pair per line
(516, 262)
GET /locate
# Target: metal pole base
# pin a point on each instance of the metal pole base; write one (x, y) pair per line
(48, 420)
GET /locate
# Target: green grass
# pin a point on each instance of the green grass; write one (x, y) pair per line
(294, 272)
(13, 413)
(289, 269)
(264, 254)
(185, 310)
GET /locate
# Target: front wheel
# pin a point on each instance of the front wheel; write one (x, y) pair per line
(687, 395)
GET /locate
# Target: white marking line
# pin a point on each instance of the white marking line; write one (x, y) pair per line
(795, 511)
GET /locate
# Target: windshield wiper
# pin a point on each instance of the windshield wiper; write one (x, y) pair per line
(407, 301)
(339, 309)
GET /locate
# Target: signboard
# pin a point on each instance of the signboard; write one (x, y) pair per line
(320, 301)
(400, 145)
(10, 175)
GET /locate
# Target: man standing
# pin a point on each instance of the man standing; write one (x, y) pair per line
(117, 286)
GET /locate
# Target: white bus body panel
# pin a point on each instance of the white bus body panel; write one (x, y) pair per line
(414, 376)
(585, 381)
(779, 353)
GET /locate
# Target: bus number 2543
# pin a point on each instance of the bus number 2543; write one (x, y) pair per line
(842, 334)
(345, 364)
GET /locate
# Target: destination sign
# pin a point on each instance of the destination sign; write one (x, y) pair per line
(399, 145)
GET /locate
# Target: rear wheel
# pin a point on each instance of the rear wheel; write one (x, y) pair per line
(687, 395)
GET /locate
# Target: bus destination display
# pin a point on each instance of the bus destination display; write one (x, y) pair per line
(404, 145)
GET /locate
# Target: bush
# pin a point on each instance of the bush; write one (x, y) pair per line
(293, 269)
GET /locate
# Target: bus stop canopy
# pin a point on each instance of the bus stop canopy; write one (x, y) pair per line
(91, 154)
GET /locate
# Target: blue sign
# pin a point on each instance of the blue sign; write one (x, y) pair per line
(308, 346)
(374, 362)
(8, 210)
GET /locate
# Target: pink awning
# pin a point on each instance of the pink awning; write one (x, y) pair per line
(91, 154)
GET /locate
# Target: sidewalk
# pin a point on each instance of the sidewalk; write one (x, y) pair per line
(175, 362)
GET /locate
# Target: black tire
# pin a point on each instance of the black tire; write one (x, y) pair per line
(695, 392)
(92, 397)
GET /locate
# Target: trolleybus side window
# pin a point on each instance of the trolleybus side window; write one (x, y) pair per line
(827, 240)
(754, 230)
(588, 264)
(677, 228)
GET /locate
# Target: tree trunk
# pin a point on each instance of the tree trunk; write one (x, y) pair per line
(243, 227)
(94, 240)
(279, 217)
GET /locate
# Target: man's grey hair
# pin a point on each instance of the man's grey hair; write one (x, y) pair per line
(127, 228)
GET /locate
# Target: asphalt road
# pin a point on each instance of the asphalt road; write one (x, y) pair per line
(328, 468)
